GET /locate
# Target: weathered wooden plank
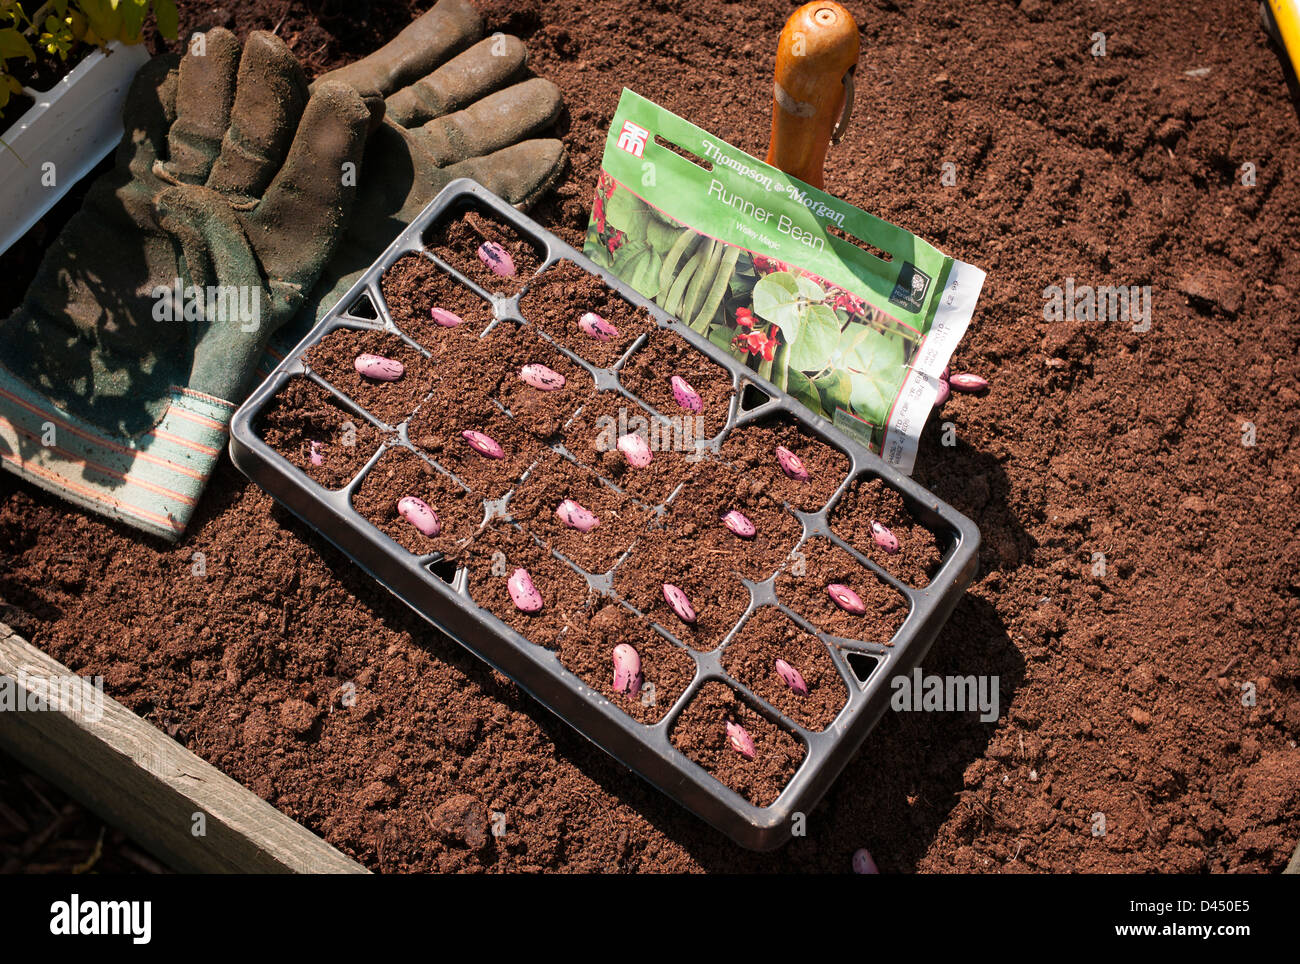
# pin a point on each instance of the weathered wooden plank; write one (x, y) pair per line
(185, 811)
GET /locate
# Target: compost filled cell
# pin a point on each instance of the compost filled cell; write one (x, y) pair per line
(701, 733)
(705, 389)
(802, 586)
(414, 285)
(555, 480)
(318, 434)
(714, 490)
(557, 301)
(457, 240)
(478, 375)
(753, 448)
(769, 635)
(496, 556)
(391, 400)
(714, 592)
(542, 410)
(594, 439)
(443, 439)
(920, 551)
(400, 473)
(665, 669)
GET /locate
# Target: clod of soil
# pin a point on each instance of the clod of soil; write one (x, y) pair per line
(648, 371)
(717, 595)
(303, 414)
(769, 635)
(753, 449)
(715, 488)
(457, 240)
(554, 479)
(563, 293)
(700, 733)
(389, 401)
(413, 285)
(920, 551)
(666, 668)
(568, 600)
(400, 473)
(801, 587)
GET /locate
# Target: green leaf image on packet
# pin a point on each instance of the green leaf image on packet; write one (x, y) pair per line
(853, 316)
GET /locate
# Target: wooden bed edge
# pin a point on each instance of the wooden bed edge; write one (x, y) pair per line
(186, 812)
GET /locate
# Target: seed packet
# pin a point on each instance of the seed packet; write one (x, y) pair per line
(853, 316)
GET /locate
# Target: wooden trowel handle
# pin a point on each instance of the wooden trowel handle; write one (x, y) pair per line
(818, 47)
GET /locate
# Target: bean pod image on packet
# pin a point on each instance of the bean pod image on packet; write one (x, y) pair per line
(851, 315)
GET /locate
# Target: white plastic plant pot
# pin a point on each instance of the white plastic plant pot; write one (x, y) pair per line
(71, 126)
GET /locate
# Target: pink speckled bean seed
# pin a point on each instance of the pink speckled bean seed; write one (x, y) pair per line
(483, 444)
(679, 603)
(497, 259)
(685, 396)
(968, 382)
(635, 450)
(944, 393)
(378, 367)
(315, 453)
(522, 591)
(846, 598)
(575, 516)
(740, 741)
(539, 376)
(417, 512)
(739, 523)
(627, 670)
(445, 318)
(597, 327)
(791, 464)
(791, 677)
(863, 863)
(882, 537)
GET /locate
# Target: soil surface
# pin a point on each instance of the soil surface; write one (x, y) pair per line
(459, 241)
(305, 420)
(1139, 586)
(558, 299)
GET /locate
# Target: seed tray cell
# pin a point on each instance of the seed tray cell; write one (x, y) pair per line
(674, 732)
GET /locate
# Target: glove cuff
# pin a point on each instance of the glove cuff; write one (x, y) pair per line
(151, 481)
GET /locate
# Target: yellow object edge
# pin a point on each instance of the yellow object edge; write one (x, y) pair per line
(1286, 14)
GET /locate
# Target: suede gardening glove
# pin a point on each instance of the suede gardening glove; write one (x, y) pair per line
(120, 370)
(456, 107)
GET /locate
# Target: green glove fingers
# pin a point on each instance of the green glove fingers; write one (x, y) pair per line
(148, 115)
(492, 123)
(519, 173)
(298, 222)
(485, 67)
(447, 29)
(269, 100)
(204, 97)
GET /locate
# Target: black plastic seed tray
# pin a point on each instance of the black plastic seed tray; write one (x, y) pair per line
(439, 589)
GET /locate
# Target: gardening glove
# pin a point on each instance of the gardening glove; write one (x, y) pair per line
(455, 107)
(120, 370)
